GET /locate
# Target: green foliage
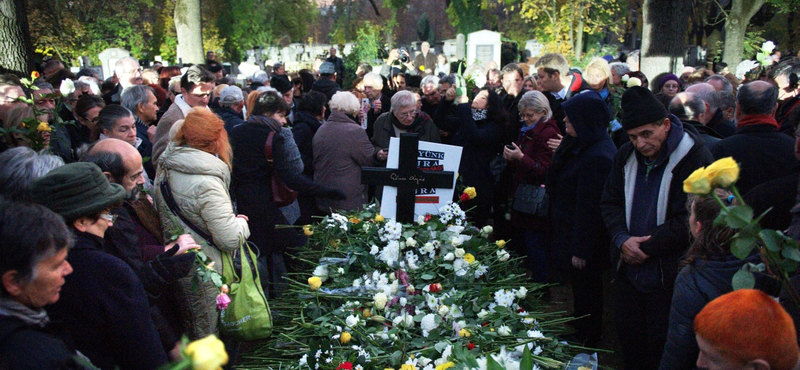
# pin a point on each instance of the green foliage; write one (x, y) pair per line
(465, 15)
(424, 31)
(366, 49)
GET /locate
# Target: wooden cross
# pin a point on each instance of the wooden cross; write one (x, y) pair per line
(407, 178)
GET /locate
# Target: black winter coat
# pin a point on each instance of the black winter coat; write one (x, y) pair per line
(104, 307)
(231, 118)
(304, 128)
(28, 347)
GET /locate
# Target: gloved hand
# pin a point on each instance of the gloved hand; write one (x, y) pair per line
(175, 266)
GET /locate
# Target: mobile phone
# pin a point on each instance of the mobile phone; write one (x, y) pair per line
(510, 147)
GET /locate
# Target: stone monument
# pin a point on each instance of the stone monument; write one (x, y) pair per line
(109, 57)
(483, 46)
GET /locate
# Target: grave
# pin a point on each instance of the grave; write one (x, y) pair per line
(461, 46)
(449, 48)
(483, 46)
(109, 57)
(533, 48)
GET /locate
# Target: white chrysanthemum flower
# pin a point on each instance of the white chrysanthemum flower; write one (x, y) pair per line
(502, 255)
(429, 322)
(521, 292)
(480, 270)
(535, 334)
(460, 266)
(390, 253)
(504, 298)
(504, 330)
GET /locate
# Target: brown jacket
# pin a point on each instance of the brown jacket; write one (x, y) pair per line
(174, 114)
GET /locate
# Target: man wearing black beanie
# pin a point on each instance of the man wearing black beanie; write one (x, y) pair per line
(644, 210)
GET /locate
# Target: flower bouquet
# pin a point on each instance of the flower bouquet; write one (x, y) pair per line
(35, 131)
(433, 294)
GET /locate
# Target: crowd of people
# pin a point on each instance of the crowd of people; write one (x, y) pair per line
(99, 229)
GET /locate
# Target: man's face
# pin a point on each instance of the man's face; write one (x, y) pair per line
(211, 56)
(199, 95)
(131, 74)
(493, 80)
(124, 129)
(443, 87)
(280, 71)
(8, 100)
(425, 48)
(42, 103)
(372, 92)
(512, 83)
(649, 139)
(432, 95)
(711, 359)
(149, 112)
(333, 52)
(134, 173)
(289, 96)
(219, 75)
(548, 82)
(405, 115)
(400, 82)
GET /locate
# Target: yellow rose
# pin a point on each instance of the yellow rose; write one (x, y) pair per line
(379, 218)
(723, 173)
(207, 353)
(500, 243)
(366, 313)
(422, 68)
(314, 282)
(697, 182)
(34, 75)
(445, 365)
(345, 337)
(471, 192)
(408, 367)
(43, 126)
(307, 230)
(469, 258)
(463, 333)
(354, 220)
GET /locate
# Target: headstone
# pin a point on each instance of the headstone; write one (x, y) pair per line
(348, 47)
(418, 178)
(449, 48)
(109, 57)
(461, 47)
(533, 48)
(483, 46)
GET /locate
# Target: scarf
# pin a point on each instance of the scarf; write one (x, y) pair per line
(265, 121)
(757, 119)
(479, 114)
(29, 316)
(396, 123)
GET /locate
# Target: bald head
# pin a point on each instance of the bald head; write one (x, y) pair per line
(757, 97)
(121, 163)
(688, 107)
(707, 93)
(118, 146)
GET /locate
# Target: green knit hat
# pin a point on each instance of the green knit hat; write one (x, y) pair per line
(76, 190)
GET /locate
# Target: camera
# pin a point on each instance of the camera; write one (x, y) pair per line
(403, 55)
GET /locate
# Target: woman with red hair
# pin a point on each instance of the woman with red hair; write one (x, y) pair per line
(195, 172)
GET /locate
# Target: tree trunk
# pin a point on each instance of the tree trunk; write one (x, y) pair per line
(16, 50)
(579, 40)
(190, 31)
(735, 28)
(663, 37)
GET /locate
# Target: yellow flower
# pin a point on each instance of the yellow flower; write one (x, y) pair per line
(307, 230)
(354, 220)
(34, 75)
(335, 243)
(408, 367)
(463, 333)
(469, 258)
(345, 337)
(366, 313)
(207, 353)
(471, 192)
(43, 126)
(422, 68)
(379, 218)
(697, 182)
(314, 282)
(445, 365)
(723, 173)
(500, 243)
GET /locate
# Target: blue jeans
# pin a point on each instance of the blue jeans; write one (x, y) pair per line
(537, 243)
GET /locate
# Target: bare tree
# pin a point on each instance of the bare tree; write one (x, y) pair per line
(16, 55)
(664, 36)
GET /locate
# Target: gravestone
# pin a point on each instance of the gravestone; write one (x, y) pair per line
(533, 48)
(348, 47)
(109, 57)
(418, 178)
(461, 47)
(483, 46)
(449, 48)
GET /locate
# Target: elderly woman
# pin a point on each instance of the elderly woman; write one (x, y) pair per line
(252, 180)
(618, 69)
(575, 184)
(669, 85)
(103, 303)
(19, 167)
(341, 148)
(117, 122)
(191, 194)
(529, 158)
(33, 268)
(403, 117)
(477, 127)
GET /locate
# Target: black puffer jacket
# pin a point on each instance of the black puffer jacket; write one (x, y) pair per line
(24, 346)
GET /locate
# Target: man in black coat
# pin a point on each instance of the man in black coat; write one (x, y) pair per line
(381, 103)
(714, 118)
(763, 152)
(326, 83)
(338, 65)
(231, 102)
(644, 209)
(690, 109)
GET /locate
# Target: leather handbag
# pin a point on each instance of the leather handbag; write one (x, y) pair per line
(531, 199)
(282, 195)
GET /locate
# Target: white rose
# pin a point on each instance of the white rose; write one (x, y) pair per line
(374, 250)
(421, 220)
(351, 321)
(768, 47)
(444, 310)
(502, 255)
(380, 300)
(460, 252)
(410, 242)
(68, 87)
(487, 230)
(455, 241)
(482, 314)
(449, 257)
(522, 292)
(504, 330)
(340, 270)
(625, 78)
(634, 81)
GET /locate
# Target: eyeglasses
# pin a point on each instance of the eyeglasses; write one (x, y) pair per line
(528, 115)
(407, 114)
(108, 217)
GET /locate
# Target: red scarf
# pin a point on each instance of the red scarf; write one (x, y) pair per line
(757, 119)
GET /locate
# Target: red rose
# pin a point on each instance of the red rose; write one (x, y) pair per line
(435, 288)
(345, 366)
(428, 217)
(464, 197)
(470, 346)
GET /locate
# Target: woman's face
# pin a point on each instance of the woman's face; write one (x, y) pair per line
(694, 226)
(441, 59)
(530, 116)
(481, 101)
(670, 88)
(96, 227)
(596, 78)
(280, 117)
(570, 129)
(90, 119)
(46, 287)
(527, 86)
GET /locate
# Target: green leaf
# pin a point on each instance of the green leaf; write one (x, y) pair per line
(788, 265)
(740, 217)
(791, 253)
(491, 364)
(721, 219)
(742, 246)
(772, 239)
(527, 362)
(427, 276)
(441, 346)
(743, 279)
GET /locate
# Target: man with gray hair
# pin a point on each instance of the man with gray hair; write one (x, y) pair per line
(19, 167)
(278, 69)
(231, 102)
(380, 103)
(690, 110)
(720, 83)
(763, 153)
(142, 102)
(715, 120)
(128, 73)
(430, 93)
(425, 61)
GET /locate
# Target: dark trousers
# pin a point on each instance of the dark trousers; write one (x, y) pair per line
(587, 293)
(642, 320)
(537, 245)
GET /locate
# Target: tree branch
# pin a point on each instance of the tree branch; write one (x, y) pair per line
(375, 7)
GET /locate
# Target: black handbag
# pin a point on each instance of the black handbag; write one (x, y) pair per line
(531, 199)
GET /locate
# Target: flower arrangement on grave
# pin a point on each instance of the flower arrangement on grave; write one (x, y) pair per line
(36, 132)
(751, 69)
(779, 252)
(433, 294)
